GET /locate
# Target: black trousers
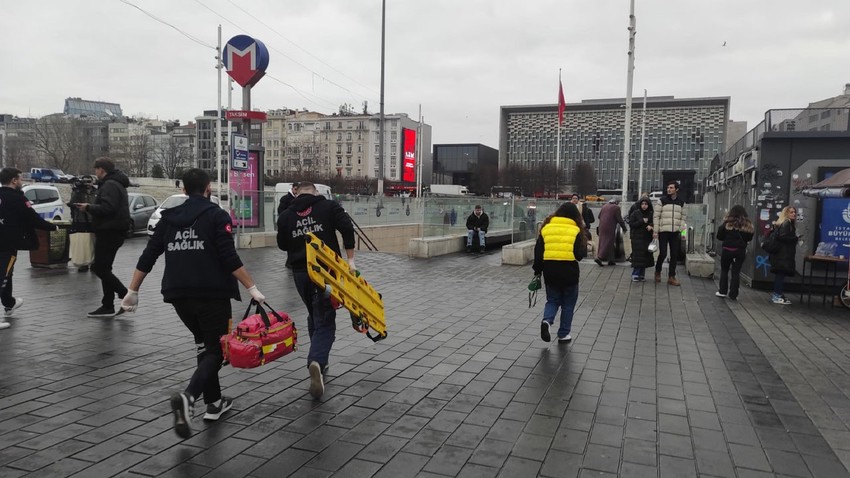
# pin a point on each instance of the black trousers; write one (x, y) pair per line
(7, 262)
(673, 239)
(106, 245)
(731, 260)
(207, 319)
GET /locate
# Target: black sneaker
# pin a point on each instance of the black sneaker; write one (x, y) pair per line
(10, 311)
(181, 406)
(545, 334)
(215, 412)
(104, 312)
(598, 262)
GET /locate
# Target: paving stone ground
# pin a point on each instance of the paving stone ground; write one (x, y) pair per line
(659, 381)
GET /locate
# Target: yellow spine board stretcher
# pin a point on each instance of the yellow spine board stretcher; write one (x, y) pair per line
(331, 272)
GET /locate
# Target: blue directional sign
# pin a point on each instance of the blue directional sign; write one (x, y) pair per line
(239, 152)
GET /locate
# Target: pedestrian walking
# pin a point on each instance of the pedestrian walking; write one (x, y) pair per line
(201, 270)
(640, 233)
(783, 263)
(668, 222)
(110, 214)
(609, 218)
(18, 222)
(586, 214)
(560, 246)
(311, 212)
(734, 235)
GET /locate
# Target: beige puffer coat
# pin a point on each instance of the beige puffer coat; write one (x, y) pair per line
(669, 215)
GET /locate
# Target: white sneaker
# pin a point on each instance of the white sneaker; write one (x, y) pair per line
(780, 300)
(317, 386)
(718, 294)
(10, 310)
(565, 340)
(4, 324)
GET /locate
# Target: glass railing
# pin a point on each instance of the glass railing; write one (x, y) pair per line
(441, 216)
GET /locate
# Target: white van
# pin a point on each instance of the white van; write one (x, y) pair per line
(46, 201)
(280, 190)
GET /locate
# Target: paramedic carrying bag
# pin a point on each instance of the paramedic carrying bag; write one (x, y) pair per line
(259, 338)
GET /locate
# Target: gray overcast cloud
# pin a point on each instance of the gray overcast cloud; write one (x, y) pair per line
(459, 59)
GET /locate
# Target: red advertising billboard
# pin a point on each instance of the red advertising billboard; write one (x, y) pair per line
(408, 148)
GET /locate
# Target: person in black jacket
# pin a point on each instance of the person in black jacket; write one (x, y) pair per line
(477, 222)
(201, 270)
(783, 263)
(640, 233)
(734, 234)
(586, 214)
(311, 212)
(287, 198)
(18, 221)
(110, 220)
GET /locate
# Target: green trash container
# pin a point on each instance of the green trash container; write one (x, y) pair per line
(53, 247)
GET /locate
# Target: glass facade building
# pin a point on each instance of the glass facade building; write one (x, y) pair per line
(682, 136)
(472, 165)
(81, 108)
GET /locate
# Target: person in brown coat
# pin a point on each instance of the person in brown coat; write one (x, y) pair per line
(609, 218)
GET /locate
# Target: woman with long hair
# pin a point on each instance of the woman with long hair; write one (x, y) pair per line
(560, 245)
(734, 233)
(783, 263)
(640, 232)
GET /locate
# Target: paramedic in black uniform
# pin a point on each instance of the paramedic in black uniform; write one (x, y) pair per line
(201, 270)
(18, 221)
(311, 212)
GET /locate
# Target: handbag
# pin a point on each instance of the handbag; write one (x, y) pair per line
(260, 338)
(770, 244)
(653, 246)
(533, 287)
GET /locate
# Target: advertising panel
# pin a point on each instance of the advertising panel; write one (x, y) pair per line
(244, 194)
(408, 149)
(835, 218)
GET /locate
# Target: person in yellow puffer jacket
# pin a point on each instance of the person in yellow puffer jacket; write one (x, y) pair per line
(562, 243)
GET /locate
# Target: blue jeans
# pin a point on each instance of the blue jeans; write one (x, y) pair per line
(639, 272)
(321, 318)
(564, 297)
(469, 234)
(778, 284)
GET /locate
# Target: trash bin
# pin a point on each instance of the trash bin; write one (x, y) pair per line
(53, 247)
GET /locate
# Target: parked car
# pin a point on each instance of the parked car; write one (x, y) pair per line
(142, 207)
(45, 175)
(170, 202)
(46, 201)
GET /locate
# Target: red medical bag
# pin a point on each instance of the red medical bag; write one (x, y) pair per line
(259, 338)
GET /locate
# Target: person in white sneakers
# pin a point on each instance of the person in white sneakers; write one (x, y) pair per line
(201, 270)
(18, 221)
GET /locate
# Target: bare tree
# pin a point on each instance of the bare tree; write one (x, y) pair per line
(305, 155)
(173, 156)
(60, 140)
(584, 178)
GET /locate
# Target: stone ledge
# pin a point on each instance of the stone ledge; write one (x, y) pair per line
(699, 264)
(427, 247)
(519, 253)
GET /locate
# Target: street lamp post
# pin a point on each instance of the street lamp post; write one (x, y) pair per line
(630, 73)
(642, 137)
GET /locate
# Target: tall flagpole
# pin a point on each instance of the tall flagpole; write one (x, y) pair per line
(630, 73)
(642, 137)
(558, 146)
(218, 66)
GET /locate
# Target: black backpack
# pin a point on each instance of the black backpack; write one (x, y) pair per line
(771, 244)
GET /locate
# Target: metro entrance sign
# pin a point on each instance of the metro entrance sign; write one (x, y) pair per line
(239, 152)
(241, 115)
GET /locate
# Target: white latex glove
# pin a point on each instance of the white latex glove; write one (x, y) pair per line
(256, 294)
(351, 265)
(130, 302)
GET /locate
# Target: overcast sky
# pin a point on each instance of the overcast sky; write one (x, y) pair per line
(459, 59)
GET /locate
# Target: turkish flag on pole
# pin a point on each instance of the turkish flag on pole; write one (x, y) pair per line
(562, 105)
